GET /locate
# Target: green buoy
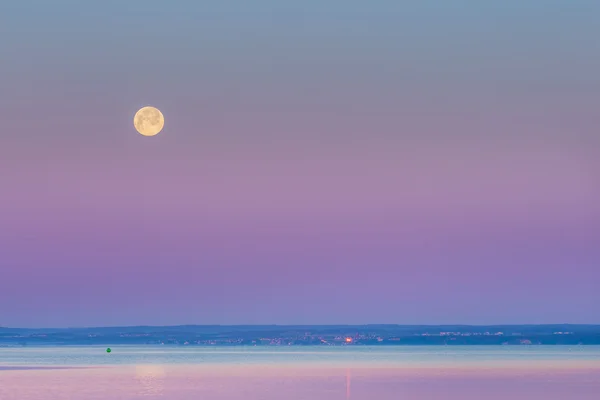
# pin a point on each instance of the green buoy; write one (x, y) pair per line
(108, 350)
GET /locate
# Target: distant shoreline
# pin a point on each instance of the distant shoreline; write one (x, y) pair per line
(303, 326)
(28, 368)
(309, 335)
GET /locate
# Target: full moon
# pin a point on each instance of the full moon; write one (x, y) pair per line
(149, 121)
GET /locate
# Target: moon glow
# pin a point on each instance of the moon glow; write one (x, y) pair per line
(148, 121)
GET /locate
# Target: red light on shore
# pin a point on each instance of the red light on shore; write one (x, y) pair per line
(348, 340)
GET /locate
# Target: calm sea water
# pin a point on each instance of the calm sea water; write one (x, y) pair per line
(294, 373)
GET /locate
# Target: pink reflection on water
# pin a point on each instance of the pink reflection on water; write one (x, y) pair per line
(295, 383)
(348, 381)
(150, 379)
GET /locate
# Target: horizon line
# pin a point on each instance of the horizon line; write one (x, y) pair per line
(311, 325)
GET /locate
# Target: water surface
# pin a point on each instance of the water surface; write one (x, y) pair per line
(294, 373)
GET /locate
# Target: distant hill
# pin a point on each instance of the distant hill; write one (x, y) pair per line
(302, 335)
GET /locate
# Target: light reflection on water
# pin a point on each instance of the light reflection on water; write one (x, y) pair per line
(150, 379)
(348, 382)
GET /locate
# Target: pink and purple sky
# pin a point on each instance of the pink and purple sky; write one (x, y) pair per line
(326, 162)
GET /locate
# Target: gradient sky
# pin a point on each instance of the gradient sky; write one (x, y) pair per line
(321, 162)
